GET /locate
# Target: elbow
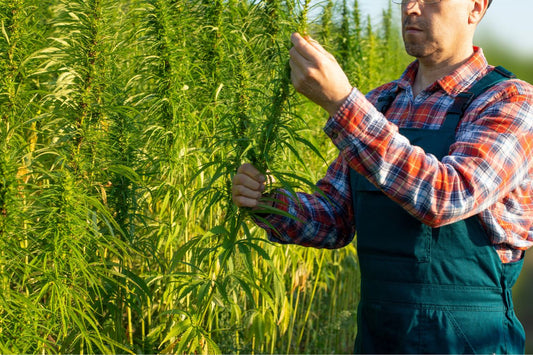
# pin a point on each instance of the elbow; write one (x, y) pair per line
(436, 220)
(433, 218)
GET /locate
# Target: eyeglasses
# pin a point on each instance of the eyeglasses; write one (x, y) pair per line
(405, 2)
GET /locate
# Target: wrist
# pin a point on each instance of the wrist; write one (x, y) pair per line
(335, 106)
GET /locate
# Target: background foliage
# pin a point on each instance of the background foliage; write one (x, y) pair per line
(122, 123)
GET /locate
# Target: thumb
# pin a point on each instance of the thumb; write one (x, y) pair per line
(270, 178)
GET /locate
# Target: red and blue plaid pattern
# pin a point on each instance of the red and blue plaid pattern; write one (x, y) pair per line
(488, 172)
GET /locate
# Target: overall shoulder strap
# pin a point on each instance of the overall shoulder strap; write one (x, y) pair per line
(465, 98)
(385, 101)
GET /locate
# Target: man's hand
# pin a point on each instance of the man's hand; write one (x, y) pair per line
(247, 186)
(316, 74)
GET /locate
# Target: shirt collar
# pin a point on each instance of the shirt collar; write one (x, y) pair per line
(459, 80)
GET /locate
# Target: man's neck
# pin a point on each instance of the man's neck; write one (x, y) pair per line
(429, 71)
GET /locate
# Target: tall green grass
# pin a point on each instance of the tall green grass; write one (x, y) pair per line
(122, 123)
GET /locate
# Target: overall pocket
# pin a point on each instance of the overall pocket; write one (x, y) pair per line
(385, 229)
(408, 328)
(463, 331)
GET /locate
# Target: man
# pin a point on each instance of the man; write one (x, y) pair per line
(438, 190)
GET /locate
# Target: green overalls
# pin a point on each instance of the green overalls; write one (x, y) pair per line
(431, 290)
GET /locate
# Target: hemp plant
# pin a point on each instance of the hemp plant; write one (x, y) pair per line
(122, 125)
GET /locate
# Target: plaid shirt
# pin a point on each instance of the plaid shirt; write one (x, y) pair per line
(488, 172)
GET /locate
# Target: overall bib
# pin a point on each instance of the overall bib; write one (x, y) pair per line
(430, 290)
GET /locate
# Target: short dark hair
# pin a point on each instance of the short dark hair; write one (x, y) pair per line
(490, 2)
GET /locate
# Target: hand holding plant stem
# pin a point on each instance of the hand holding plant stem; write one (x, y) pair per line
(316, 74)
(248, 186)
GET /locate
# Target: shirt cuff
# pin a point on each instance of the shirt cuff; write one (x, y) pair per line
(272, 223)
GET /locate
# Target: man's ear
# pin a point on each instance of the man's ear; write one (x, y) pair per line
(478, 10)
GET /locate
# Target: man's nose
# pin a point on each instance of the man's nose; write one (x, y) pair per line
(411, 7)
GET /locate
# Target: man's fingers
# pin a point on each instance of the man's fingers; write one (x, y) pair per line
(251, 183)
(244, 196)
(246, 190)
(243, 201)
(298, 63)
(247, 186)
(247, 168)
(305, 49)
(251, 171)
(316, 45)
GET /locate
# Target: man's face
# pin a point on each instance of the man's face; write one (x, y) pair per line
(435, 30)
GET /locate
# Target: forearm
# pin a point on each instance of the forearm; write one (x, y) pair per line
(488, 160)
(323, 219)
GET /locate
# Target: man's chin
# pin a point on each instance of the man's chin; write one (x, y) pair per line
(416, 50)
